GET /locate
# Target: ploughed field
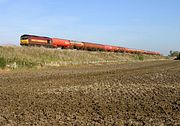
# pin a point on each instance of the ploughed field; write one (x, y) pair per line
(144, 93)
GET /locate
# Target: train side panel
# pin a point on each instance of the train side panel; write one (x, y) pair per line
(35, 40)
(39, 41)
(122, 49)
(77, 45)
(93, 46)
(108, 48)
(63, 43)
(115, 48)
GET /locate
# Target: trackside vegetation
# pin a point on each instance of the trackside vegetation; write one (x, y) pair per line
(13, 57)
(2, 62)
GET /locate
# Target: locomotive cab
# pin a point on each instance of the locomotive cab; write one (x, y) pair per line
(24, 40)
(32, 40)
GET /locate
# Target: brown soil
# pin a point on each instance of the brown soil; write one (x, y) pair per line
(146, 93)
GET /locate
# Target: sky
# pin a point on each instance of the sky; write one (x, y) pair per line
(140, 24)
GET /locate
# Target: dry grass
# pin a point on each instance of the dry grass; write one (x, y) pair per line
(29, 57)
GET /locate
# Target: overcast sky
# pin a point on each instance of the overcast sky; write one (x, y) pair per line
(142, 24)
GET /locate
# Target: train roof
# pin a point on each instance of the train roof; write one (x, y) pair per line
(34, 36)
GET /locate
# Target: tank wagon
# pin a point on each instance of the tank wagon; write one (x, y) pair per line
(33, 40)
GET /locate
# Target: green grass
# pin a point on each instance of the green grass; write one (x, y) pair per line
(2, 62)
(14, 57)
(140, 57)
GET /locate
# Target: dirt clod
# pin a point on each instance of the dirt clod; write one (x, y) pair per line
(130, 94)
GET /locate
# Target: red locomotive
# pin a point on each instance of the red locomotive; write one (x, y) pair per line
(32, 40)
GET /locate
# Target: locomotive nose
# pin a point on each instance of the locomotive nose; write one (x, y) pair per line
(24, 42)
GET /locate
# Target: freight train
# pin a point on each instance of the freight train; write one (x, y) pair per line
(32, 40)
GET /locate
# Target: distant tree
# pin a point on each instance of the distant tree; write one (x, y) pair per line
(178, 57)
(174, 53)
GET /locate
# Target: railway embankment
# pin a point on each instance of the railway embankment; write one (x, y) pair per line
(14, 57)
